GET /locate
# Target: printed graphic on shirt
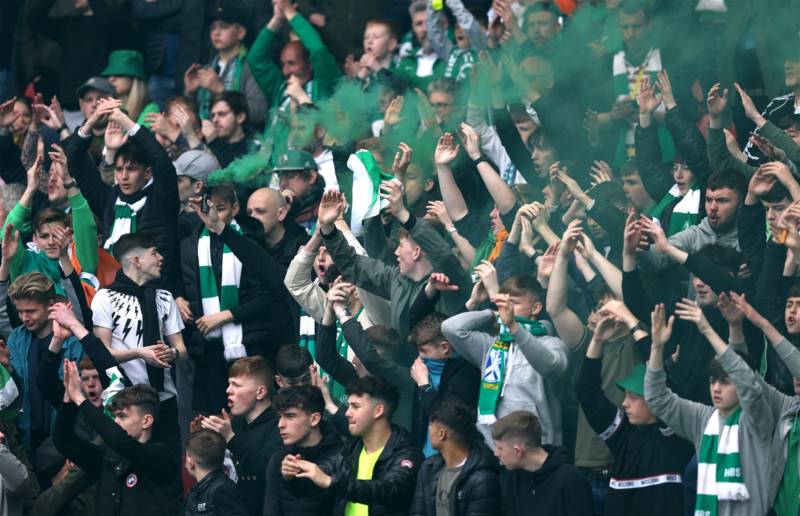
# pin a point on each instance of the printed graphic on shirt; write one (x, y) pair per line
(132, 480)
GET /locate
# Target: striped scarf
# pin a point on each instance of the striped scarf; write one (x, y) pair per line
(125, 215)
(684, 214)
(228, 295)
(719, 468)
(497, 368)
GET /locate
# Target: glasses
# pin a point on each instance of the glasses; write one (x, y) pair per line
(441, 105)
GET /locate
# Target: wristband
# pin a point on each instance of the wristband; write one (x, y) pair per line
(480, 159)
(639, 326)
(452, 230)
(71, 184)
(63, 128)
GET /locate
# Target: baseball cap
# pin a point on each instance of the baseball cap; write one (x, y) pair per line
(228, 11)
(98, 83)
(295, 159)
(196, 165)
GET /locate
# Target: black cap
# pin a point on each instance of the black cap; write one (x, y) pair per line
(100, 84)
(228, 11)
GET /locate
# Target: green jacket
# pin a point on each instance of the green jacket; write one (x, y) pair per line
(407, 68)
(84, 236)
(720, 157)
(268, 75)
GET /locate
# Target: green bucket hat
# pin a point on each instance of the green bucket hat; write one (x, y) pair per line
(128, 63)
(294, 159)
(634, 382)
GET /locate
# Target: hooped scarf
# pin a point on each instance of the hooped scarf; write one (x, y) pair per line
(497, 368)
(684, 214)
(227, 297)
(126, 211)
(719, 468)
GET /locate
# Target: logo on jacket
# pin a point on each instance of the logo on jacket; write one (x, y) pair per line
(131, 480)
(405, 463)
(201, 507)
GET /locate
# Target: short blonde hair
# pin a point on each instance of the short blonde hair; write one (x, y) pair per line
(33, 286)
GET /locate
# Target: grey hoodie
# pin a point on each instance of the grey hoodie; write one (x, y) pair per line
(689, 419)
(537, 369)
(691, 240)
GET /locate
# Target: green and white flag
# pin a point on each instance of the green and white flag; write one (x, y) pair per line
(8, 389)
(228, 296)
(365, 201)
(719, 467)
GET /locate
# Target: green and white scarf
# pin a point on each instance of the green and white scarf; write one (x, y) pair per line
(231, 79)
(497, 368)
(684, 214)
(719, 468)
(125, 215)
(8, 396)
(228, 297)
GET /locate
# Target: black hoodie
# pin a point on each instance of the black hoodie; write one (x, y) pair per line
(300, 496)
(476, 491)
(555, 489)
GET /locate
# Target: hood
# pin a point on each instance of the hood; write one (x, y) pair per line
(331, 442)
(556, 457)
(481, 457)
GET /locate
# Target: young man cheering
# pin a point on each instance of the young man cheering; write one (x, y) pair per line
(376, 471)
(305, 437)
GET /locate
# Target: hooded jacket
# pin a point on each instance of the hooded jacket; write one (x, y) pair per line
(390, 491)
(537, 368)
(555, 489)
(691, 240)
(299, 496)
(215, 495)
(476, 491)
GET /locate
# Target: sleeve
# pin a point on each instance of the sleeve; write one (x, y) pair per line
(339, 368)
(635, 296)
(366, 351)
(73, 492)
(750, 224)
(102, 314)
(5, 322)
(720, 158)
(164, 175)
(755, 403)
(612, 219)
(228, 501)
(152, 460)
(48, 378)
(11, 169)
(299, 284)
(418, 502)
(368, 273)
(173, 324)
(18, 216)
(713, 275)
(465, 20)
(769, 297)
(265, 72)
(790, 356)
(578, 496)
(273, 478)
(422, 307)
(780, 139)
(16, 477)
(326, 70)
(603, 416)
(462, 331)
(690, 142)
(86, 455)
(257, 104)
(255, 259)
(84, 234)
(686, 418)
(94, 190)
(653, 260)
(107, 366)
(515, 147)
(547, 355)
(490, 141)
(437, 35)
(655, 177)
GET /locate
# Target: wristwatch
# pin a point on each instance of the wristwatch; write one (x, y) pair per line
(639, 326)
(480, 159)
(71, 184)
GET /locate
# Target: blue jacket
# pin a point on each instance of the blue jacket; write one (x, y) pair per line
(19, 342)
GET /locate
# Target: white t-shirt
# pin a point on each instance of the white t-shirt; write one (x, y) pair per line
(122, 314)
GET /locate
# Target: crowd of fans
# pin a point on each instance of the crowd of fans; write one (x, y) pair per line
(276, 258)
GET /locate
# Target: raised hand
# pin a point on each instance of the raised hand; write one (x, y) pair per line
(477, 296)
(210, 218)
(729, 310)
(208, 79)
(740, 301)
(392, 191)
(488, 276)
(392, 114)
(526, 237)
(505, 308)
(546, 262)
(750, 109)
(471, 141)
(665, 87)
(402, 159)
(660, 327)
(717, 100)
(607, 327)
(220, 424)
(767, 148)
(330, 206)
(570, 238)
(688, 310)
(72, 383)
(437, 211)
(10, 244)
(7, 116)
(633, 233)
(34, 173)
(655, 232)
(648, 100)
(438, 281)
(114, 137)
(419, 372)
(446, 150)
(58, 163)
(762, 182)
(600, 172)
(191, 81)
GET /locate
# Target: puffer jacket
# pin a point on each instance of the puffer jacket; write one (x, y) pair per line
(390, 491)
(477, 489)
(299, 496)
